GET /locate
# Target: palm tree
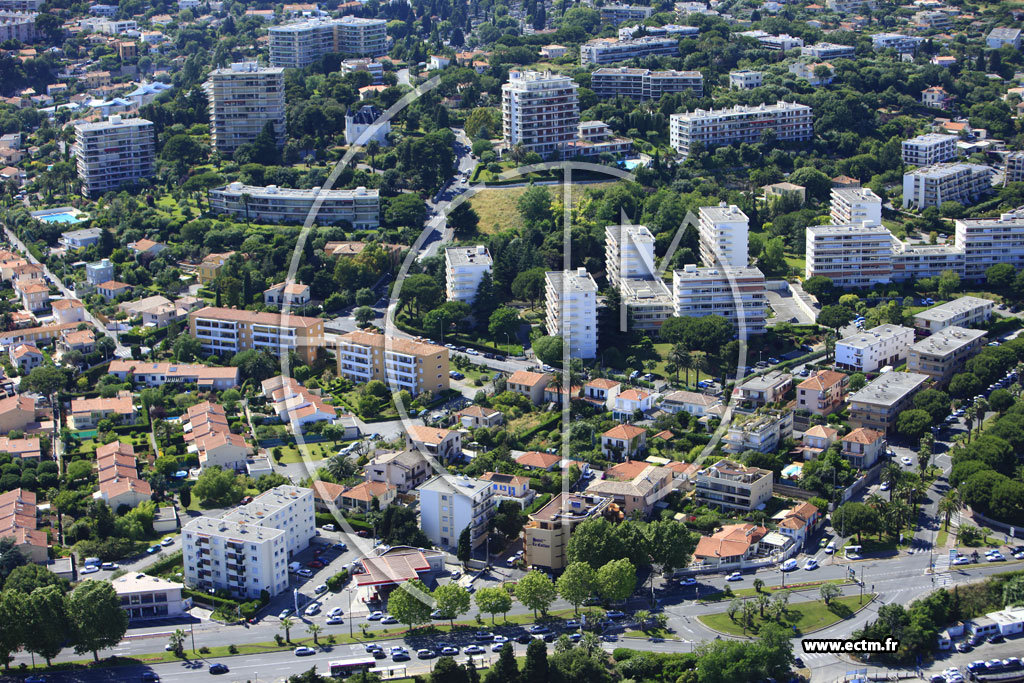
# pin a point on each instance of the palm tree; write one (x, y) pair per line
(315, 630)
(178, 642)
(982, 406)
(748, 613)
(779, 607)
(875, 501)
(700, 363)
(372, 149)
(642, 617)
(758, 585)
(891, 475)
(762, 603)
(896, 515)
(679, 356)
(286, 626)
(949, 505)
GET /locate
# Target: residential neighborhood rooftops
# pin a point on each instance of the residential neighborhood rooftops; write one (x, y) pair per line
(889, 388)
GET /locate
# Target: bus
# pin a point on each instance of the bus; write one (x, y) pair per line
(346, 667)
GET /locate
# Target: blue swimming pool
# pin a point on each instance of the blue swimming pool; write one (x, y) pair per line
(59, 218)
(631, 164)
(790, 471)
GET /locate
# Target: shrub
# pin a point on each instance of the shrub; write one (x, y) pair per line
(205, 650)
(232, 649)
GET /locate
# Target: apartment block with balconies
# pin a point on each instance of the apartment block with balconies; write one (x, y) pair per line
(932, 185)
(464, 268)
(930, 148)
(878, 405)
(644, 84)
(873, 349)
(298, 44)
(112, 153)
(964, 311)
(723, 231)
(227, 331)
(360, 207)
(788, 121)
(287, 508)
(449, 504)
(944, 352)
(540, 112)
(849, 255)
(730, 485)
(737, 294)
(988, 241)
(571, 310)
(855, 206)
(398, 362)
(244, 97)
(242, 559)
(611, 50)
(547, 532)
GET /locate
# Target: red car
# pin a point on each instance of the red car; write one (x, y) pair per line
(363, 533)
(315, 564)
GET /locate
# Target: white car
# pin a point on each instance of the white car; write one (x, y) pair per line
(810, 564)
(996, 557)
(884, 486)
(789, 565)
(375, 616)
(90, 569)
(312, 610)
(735, 576)
(962, 560)
(335, 611)
(907, 462)
(303, 651)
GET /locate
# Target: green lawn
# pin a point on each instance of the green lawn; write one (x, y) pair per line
(659, 369)
(940, 539)
(496, 207)
(768, 590)
(314, 451)
(805, 616)
(652, 633)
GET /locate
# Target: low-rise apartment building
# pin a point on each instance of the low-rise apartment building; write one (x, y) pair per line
(149, 597)
(644, 84)
(856, 255)
(159, 374)
(616, 13)
(227, 331)
(86, 413)
(896, 41)
(932, 185)
(400, 363)
(822, 393)
(790, 122)
(405, 470)
(738, 294)
(286, 507)
(878, 405)
(745, 79)
(758, 431)
(988, 241)
(730, 485)
(243, 559)
(929, 149)
(529, 384)
(828, 51)
(611, 50)
(874, 349)
(637, 490)
(855, 206)
(964, 311)
(449, 504)
(464, 269)
(436, 442)
(547, 532)
(272, 204)
(767, 388)
(944, 352)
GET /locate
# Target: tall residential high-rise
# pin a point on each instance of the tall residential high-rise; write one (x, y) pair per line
(789, 121)
(988, 241)
(114, 152)
(737, 294)
(932, 185)
(856, 255)
(464, 268)
(571, 298)
(298, 44)
(723, 236)
(245, 97)
(630, 265)
(540, 111)
(855, 206)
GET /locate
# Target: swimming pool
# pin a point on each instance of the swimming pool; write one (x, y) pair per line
(790, 471)
(632, 164)
(59, 218)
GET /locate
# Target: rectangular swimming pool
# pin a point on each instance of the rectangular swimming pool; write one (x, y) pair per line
(59, 218)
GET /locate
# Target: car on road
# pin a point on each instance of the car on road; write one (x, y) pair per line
(996, 638)
(539, 628)
(402, 655)
(303, 651)
(218, 668)
(152, 549)
(964, 647)
(335, 612)
(810, 564)
(313, 610)
(735, 576)
(524, 638)
(906, 461)
(995, 557)
(497, 647)
(167, 541)
(449, 651)
(789, 565)
(962, 559)
(329, 527)
(830, 548)
(375, 616)
(284, 614)
(615, 614)
(388, 619)
(425, 653)
(150, 677)
(322, 588)
(87, 570)
(688, 581)
(550, 637)
(474, 650)
(305, 573)
(337, 619)
(370, 647)
(569, 625)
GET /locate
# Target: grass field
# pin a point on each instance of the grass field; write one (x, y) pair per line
(804, 616)
(768, 590)
(659, 369)
(315, 451)
(496, 207)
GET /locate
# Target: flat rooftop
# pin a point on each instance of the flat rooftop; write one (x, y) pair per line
(874, 335)
(841, 230)
(951, 309)
(947, 340)
(570, 506)
(467, 256)
(889, 388)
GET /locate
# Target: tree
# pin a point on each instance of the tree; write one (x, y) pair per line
(420, 291)
(12, 616)
(913, 423)
(177, 642)
(819, 286)
(483, 122)
(452, 601)
(465, 549)
(671, 544)
(1000, 400)
(1000, 276)
(949, 283)
(506, 669)
(315, 630)
(548, 349)
(529, 285)
(494, 600)
(45, 380)
(503, 324)
(616, 580)
(408, 603)
(536, 666)
(964, 385)
(28, 577)
(829, 591)
(535, 591)
(286, 626)
(534, 205)
(950, 505)
(855, 518)
(46, 626)
(96, 618)
(463, 219)
(835, 317)
(364, 314)
(217, 487)
(933, 402)
(577, 583)
(758, 585)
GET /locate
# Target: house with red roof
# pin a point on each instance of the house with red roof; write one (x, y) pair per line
(623, 442)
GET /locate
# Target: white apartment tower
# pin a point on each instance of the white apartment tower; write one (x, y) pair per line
(928, 149)
(723, 236)
(789, 121)
(571, 298)
(247, 550)
(849, 255)
(243, 98)
(449, 504)
(737, 294)
(856, 206)
(298, 44)
(932, 185)
(464, 268)
(112, 153)
(988, 241)
(539, 111)
(631, 266)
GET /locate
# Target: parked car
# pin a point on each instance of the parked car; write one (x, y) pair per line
(474, 650)
(688, 581)
(313, 610)
(811, 564)
(789, 565)
(449, 651)
(375, 616)
(539, 628)
(425, 654)
(388, 619)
